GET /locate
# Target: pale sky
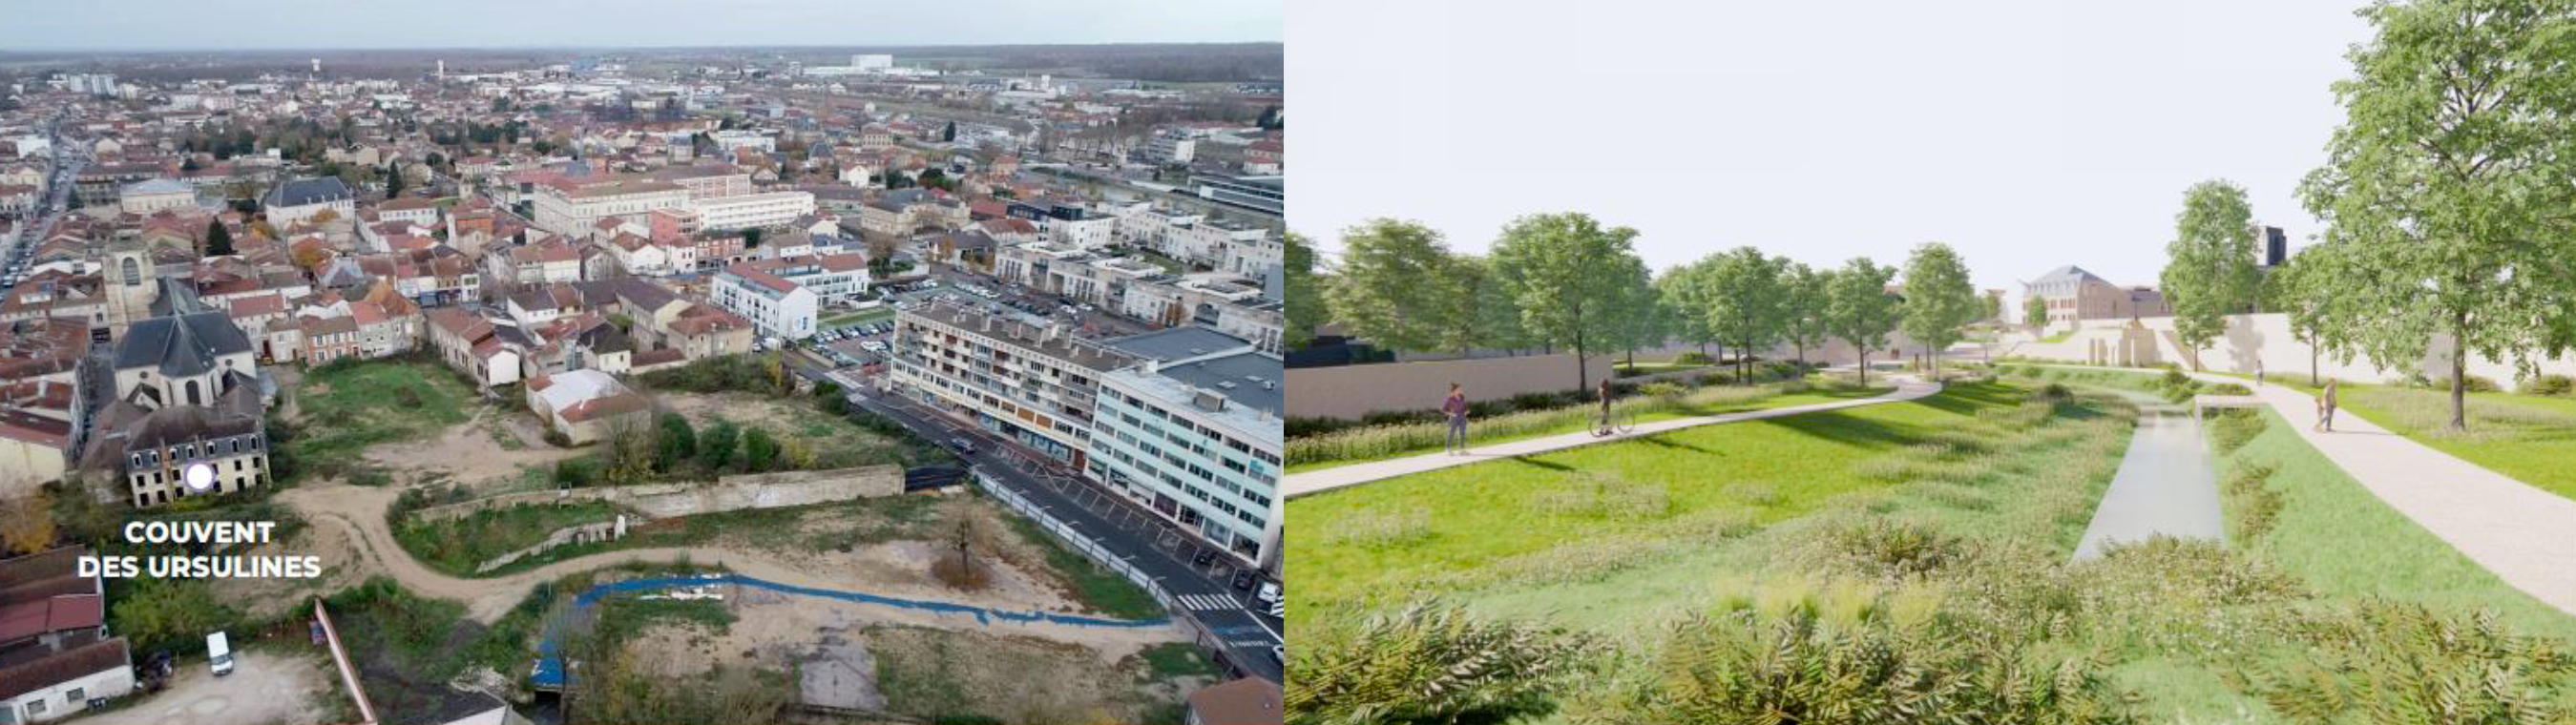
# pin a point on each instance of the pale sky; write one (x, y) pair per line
(2027, 134)
(362, 24)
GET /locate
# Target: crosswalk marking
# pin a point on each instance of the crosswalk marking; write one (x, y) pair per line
(1207, 602)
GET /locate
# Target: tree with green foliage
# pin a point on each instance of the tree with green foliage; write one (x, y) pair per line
(1647, 325)
(759, 450)
(219, 241)
(678, 442)
(1498, 316)
(2209, 266)
(1939, 300)
(1990, 308)
(751, 238)
(1458, 326)
(716, 444)
(1684, 293)
(2450, 178)
(1745, 298)
(1570, 276)
(949, 134)
(393, 180)
(2034, 311)
(163, 614)
(1859, 311)
(1304, 296)
(1390, 288)
(1804, 294)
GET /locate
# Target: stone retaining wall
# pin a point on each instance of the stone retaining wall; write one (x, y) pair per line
(726, 493)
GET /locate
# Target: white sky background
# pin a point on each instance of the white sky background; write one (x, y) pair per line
(2026, 134)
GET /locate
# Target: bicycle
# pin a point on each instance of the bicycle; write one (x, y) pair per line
(1618, 422)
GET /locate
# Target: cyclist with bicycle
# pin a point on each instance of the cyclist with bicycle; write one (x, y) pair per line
(1604, 394)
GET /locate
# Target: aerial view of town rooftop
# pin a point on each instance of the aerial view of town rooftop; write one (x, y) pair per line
(669, 379)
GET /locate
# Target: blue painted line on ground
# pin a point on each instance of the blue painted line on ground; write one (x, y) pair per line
(549, 671)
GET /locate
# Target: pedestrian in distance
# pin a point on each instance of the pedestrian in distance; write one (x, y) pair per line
(2326, 406)
(1456, 407)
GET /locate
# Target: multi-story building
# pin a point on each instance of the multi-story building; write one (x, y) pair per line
(571, 206)
(1193, 433)
(1011, 375)
(706, 181)
(779, 308)
(1265, 194)
(749, 211)
(190, 450)
(152, 195)
(301, 199)
(2072, 295)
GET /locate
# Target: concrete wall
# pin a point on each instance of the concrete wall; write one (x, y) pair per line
(727, 493)
(2265, 339)
(1352, 391)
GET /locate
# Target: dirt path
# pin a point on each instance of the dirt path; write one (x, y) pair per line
(466, 452)
(359, 513)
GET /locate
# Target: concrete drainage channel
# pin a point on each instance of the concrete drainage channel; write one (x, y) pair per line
(549, 675)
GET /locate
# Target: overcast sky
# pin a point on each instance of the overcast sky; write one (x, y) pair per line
(2025, 133)
(358, 24)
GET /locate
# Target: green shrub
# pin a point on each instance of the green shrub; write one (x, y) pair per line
(2229, 429)
(1880, 664)
(2256, 504)
(2480, 384)
(2550, 385)
(1693, 357)
(2401, 662)
(1886, 548)
(2228, 389)
(1430, 663)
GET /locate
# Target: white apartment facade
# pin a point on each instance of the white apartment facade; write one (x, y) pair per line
(1197, 440)
(750, 211)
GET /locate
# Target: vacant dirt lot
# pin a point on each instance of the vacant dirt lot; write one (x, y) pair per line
(943, 664)
(264, 689)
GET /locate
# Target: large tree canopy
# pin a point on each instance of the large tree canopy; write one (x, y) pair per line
(1390, 287)
(2451, 177)
(1939, 300)
(1745, 302)
(2209, 266)
(1570, 276)
(1859, 310)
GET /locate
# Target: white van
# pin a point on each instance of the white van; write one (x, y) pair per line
(219, 653)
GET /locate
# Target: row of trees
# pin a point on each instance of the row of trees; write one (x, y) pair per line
(2445, 199)
(1565, 281)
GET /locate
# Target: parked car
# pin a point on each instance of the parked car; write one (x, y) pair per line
(1269, 593)
(962, 446)
(219, 654)
(1243, 580)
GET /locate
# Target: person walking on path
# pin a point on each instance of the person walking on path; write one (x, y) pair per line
(1456, 407)
(2258, 372)
(2326, 407)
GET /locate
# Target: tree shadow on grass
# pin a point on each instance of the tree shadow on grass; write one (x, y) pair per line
(1663, 442)
(1853, 431)
(1968, 398)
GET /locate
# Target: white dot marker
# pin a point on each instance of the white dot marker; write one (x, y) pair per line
(201, 477)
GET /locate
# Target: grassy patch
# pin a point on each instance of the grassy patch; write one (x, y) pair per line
(458, 546)
(1374, 443)
(346, 407)
(1095, 586)
(2528, 437)
(1175, 659)
(1715, 480)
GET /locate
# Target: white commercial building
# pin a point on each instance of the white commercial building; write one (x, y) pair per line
(1193, 433)
(752, 210)
(780, 308)
(571, 206)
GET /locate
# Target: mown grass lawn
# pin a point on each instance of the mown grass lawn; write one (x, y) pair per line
(2347, 544)
(1389, 537)
(2530, 438)
(1422, 438)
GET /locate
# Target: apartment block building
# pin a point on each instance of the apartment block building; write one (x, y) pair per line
(1193, 433)
(1008, 374)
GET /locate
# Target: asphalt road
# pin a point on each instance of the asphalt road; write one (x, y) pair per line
(1147, 541)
